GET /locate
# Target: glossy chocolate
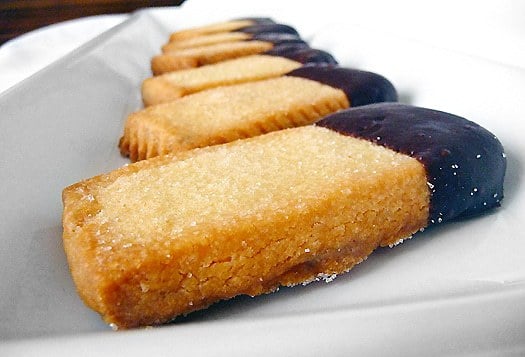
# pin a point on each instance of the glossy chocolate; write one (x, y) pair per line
(269, 28)
(257, 20)
(302, 54)
(360, 87)
(279, 38)
(465, 163)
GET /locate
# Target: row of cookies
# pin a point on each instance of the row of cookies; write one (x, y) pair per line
(248, 77)
(243, 51)
(197, 222)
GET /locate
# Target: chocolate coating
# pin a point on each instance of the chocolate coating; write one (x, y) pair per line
(465, 163)
(279, 38)
(303, 54)
(258, 20)
(360, 87)
(265, 27)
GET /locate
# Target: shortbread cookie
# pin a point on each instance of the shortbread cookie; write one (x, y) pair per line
(174, 234)
(205, 40)
(175, 60)
(228, 113)
(170, 86)
(220, 27)
(256, 32)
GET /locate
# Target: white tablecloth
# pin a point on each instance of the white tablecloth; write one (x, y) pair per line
(492, 29)
(26, 54)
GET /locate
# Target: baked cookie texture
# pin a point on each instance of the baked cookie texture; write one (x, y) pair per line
(175, 60)
(200, 56)
(173, 234)
(200, 62)
(219, 27)
(147, 244)
(228, 113)
(253, 32)
(184, 52)
(206, 40)
(173, 85)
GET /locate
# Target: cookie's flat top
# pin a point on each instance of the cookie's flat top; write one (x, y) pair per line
(247, 180)
(235, 108)
(255, 66)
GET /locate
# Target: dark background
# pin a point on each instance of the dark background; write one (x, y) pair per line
(21, 16)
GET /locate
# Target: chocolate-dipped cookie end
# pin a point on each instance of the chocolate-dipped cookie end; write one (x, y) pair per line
(465, 163)
(361, 87)
(303, 54)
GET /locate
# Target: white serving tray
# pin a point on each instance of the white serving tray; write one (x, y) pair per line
(456, 289)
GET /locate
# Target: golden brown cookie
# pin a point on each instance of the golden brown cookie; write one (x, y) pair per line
(200, 56)
(228, 113)
(219, 27)
(213, 47)
(177, 59)
(206, 40)
(258, 31)
(244, 110)
(176, 233)
(173, 85)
